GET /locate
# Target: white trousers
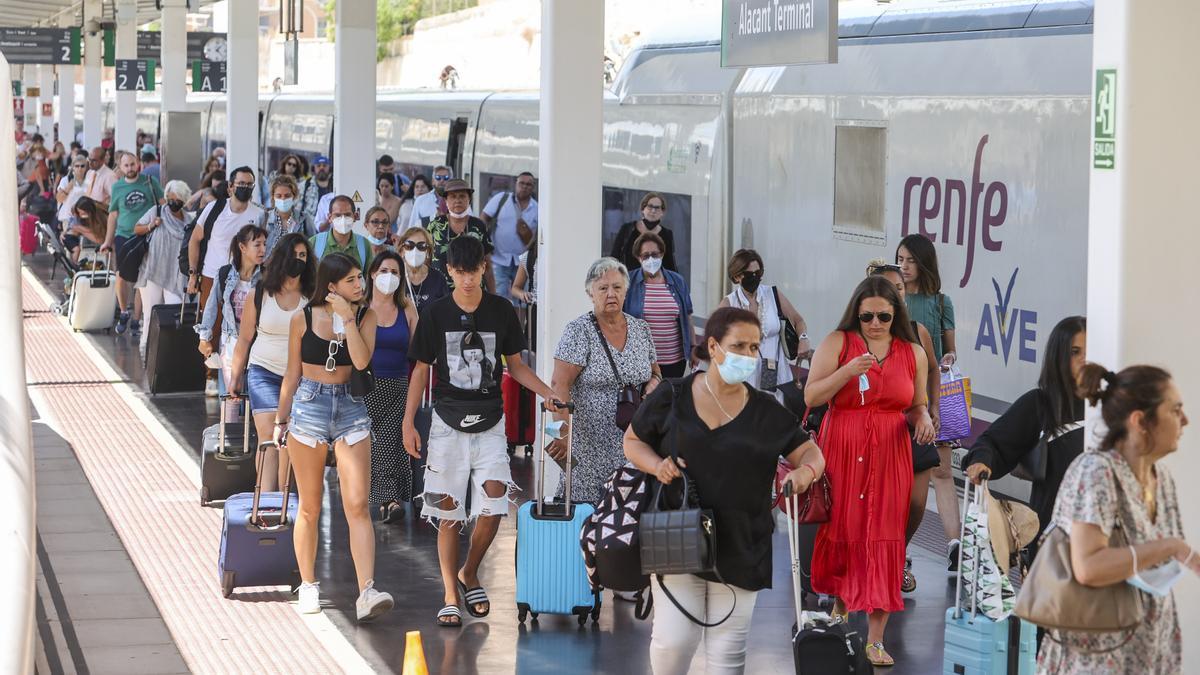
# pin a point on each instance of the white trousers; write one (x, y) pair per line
(153, 294)
(675, 638)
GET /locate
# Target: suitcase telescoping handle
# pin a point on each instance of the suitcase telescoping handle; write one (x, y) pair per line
(791, 508)
(287, 489)
(539, 492)
(183, 301)
(245, 426)
(971, 492)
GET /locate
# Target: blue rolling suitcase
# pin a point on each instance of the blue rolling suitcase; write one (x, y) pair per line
(978, 645)
(551, 576)
(256, 538)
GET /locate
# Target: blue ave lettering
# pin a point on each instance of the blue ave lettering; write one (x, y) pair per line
(1003, 324)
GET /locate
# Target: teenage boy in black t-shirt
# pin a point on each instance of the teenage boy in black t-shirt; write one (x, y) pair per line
(464, 335)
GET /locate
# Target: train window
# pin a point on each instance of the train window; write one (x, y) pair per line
(860, 156)
(623, 205)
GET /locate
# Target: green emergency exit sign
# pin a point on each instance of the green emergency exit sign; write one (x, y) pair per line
(1104, 108)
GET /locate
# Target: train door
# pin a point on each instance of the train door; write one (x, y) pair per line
(456, 146)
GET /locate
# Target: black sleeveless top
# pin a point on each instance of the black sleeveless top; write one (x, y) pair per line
(314, 349)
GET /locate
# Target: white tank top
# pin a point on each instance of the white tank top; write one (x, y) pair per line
(270, 348)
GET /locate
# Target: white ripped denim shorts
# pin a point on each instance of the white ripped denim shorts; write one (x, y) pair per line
(458, 462)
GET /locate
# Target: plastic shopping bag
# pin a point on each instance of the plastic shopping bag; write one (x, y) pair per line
(984, 588)
(954, 406)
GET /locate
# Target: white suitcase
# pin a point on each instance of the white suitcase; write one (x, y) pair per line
(93, 302)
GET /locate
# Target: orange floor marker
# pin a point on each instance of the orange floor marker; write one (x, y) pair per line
(414, 655)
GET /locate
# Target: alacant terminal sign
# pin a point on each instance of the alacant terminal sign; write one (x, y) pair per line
(778, 32)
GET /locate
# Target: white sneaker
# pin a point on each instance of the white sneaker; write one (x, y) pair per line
(310, 598)
(372, 603)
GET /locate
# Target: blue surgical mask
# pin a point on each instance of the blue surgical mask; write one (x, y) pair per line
(285, 205)
(554, 429)
(736, 368)
(1158, 581)
(376, 240)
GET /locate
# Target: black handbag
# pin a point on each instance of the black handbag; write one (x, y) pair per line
(680, 541)
(362, 382)
(788, 337)
(1032, 465)
(629, 399)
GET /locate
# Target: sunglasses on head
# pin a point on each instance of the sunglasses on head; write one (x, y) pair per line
(881, 269)
(868, 317)
(419, 245)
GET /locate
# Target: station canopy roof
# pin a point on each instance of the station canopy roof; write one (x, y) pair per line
(46, 13)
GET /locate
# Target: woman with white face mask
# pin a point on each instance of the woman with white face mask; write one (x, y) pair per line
(391, 472)
(1122, 484)
(416, 247)
(728, 438)
(661, 297)
(285, 216)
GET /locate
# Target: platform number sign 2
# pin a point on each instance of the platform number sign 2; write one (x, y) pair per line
(1104, 146)
(135, 74)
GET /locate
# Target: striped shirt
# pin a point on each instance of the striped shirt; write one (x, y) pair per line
(662, 313)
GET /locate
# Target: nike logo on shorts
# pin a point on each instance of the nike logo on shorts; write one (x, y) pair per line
(470, 421)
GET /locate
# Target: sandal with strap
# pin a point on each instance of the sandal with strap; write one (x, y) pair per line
(839, 617)
(449, 617)
(472, 597)
(908, 582)
(878, 656)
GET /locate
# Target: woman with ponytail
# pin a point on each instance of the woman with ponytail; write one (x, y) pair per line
(1122, 484)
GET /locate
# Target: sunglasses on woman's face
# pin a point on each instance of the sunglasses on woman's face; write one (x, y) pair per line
(868, 317)
(409, 245)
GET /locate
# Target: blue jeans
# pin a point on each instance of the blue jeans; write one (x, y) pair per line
(263, 387)
(327, 413)
(504, 278)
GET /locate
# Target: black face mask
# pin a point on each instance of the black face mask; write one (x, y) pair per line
(750, 281)
(651, 224)
(296, 267)
(175, 204)
(243, 193)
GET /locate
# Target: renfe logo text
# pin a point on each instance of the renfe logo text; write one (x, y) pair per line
(947, 199)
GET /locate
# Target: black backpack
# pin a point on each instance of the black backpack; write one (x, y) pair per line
(609, 537)
(185, 264)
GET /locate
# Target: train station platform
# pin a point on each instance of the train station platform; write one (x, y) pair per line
(128, 580)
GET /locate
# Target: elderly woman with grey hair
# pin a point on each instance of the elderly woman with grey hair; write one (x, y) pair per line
(159, 281)
(585, 373)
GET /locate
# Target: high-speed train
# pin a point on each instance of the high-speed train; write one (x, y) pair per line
(964, 121)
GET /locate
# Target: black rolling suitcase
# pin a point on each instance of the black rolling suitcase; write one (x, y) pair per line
(227, 465)
(818, 647)
(173, 360)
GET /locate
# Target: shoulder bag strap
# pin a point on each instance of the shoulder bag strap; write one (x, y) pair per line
(362, 249)
(322, 241)
(778, 306)
(607, 350)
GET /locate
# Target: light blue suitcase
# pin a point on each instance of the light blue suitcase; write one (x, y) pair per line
(977, 645)
(256, 539)
(551, 577)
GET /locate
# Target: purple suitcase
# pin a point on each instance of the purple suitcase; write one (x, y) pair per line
(256, 538)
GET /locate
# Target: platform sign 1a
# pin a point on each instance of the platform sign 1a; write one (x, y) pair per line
(135, 74)
(46, 46)
(208, 75)
(778, 32)
(1104, 108)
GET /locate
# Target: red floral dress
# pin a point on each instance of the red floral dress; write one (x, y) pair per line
(859, 554)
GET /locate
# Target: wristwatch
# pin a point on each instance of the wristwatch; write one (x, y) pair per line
(804, 336)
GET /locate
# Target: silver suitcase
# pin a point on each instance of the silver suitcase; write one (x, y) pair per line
(93, 302)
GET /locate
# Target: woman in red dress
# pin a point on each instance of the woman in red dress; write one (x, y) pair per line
(872, 373)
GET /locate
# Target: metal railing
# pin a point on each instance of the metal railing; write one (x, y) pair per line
(18, 551)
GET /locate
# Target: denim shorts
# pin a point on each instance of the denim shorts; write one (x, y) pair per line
(460, 463)
(327, 413)
(263, 387)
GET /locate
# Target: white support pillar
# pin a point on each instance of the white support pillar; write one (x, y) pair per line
(174, 55)
(66, 93)
(125, 130)
(354, 103)
(569, 163)
(241, 135)
(93, 59)
(46, 122)
(18, 541)
(1141, 244)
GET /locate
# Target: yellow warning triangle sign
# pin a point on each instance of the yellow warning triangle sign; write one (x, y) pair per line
(357, 197)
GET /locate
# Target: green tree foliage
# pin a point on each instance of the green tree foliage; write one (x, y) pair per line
(394, 18)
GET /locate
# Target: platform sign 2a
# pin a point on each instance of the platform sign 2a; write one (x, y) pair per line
(208, 75)
(135, 74)
(1104, 108)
